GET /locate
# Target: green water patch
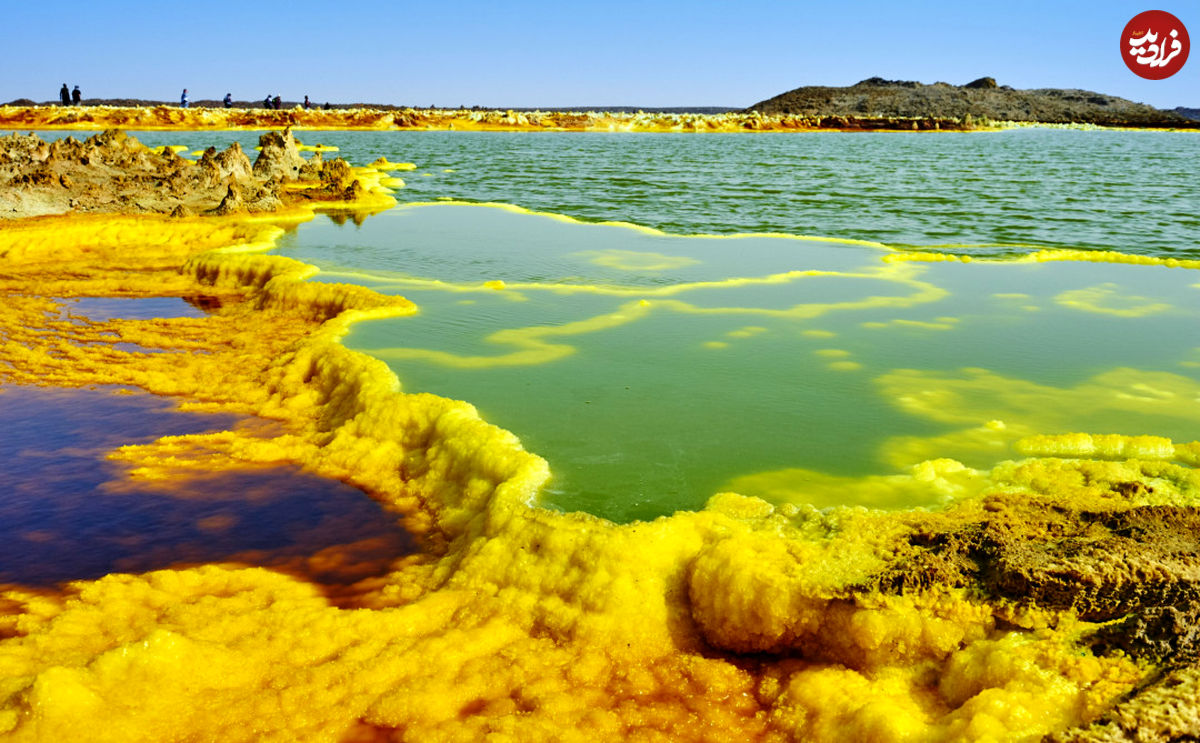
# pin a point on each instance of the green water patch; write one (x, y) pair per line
(654, 370)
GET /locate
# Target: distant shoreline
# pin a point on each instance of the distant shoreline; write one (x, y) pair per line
(319, 105)
(169, 118)
(874, 104)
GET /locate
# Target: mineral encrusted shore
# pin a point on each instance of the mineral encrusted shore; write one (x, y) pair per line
(85, 118)
(114, 173)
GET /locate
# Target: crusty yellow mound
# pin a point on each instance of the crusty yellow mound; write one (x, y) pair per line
(170, 117)
(742, 621)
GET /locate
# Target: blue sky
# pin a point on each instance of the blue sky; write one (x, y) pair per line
(530, 53)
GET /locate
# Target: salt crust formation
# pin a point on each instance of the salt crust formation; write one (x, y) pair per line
(1055, 597)
(169, 117)
(839, 109)
(112, 172)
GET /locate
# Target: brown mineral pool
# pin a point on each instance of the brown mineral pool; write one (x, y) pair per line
(102, 309)
(67, 512)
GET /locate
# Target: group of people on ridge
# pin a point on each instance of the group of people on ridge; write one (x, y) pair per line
(277, 104)
(73, 97)
(70, 97)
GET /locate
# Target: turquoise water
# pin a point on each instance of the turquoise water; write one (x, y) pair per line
(774, 387)
(1115, 190)
(654, 370)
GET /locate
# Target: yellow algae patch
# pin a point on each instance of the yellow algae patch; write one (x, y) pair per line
(1105, 299)
(533, 344)
(716, 344)
(818, 334)
(635, 260)
(990, 442)
(1048, 255)
(747, 332)
(976, 395)
(1110, 256)
(845, 366)
(997, 412)
(383, 164)
(933, 482)
(839, 359)
(536, 344)
(921, 291)
(925, 256)
(942, 323)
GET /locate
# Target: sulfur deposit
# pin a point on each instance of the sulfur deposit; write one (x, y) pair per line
(1055, 596)
(112, 172)
(368, 119)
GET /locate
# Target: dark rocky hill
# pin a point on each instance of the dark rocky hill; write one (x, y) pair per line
(981, 99)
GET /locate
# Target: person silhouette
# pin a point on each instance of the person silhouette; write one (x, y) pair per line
(64, 95)
(228, 100)
(307, 105)
(183, 99)
(76, 95)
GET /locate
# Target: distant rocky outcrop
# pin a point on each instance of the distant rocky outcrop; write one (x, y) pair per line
(978, 100)
(1189, 113)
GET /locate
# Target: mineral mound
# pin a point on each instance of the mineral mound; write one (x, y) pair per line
(114, 173)
(980, 99)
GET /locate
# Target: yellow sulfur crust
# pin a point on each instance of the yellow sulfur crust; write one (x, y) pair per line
(170, 117)
(742, 621)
